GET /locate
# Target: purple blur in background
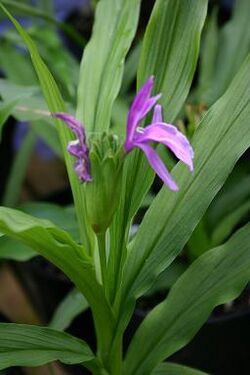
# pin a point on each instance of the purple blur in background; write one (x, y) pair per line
(63, 8)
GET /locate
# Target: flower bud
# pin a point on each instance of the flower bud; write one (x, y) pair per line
(103, 192)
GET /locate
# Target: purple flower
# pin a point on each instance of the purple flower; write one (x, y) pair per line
(78, 147)
(158, 131)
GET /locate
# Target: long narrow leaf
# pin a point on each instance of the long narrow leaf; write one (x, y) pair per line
(18, 171)
(171, 48)
(214, 278)
(103, 61)
(170, 51)
(234, 44)
(222, 137)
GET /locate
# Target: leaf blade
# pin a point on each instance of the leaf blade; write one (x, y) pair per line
(103, 61)
(174, 30)
(216, 154)
(174, 369)
(71, 306)
(214, 278)
(138, 176)
(5, 111)
(24, 345)
(59, 248)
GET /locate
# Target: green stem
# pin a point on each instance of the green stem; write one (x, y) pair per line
(116, 358)
(18, 171)
(101, 239)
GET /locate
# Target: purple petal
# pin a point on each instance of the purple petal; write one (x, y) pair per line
(157, 116)
(78, 147)
(75, 125)
(75, 149)
(141, 105)
(158, 166)
(82, 169)
(143, 94)
(171, 137)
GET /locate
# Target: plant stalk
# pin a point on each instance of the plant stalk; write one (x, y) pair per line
(101, 239)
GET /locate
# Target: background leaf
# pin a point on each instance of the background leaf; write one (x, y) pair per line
(14, 250)
(71, 306)
(173, 369)
(216, 277)
(228, 224)
(233, 42)
(5, 111)
(103, 61)
(209, 51)
(24, 345)
(18, 171)
(170, 50)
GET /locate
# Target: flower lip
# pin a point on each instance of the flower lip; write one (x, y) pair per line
(158, 131)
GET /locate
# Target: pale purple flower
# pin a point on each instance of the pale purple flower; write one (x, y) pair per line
(158, 131)
(78, 147)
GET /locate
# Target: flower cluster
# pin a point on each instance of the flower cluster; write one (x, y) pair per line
(137, 137)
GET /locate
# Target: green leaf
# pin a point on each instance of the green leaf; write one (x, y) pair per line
(167, 278)
(174, 369)
(103, 61)
(170, 51)
(19, 170)
(10, 90)
(14, 250)
(30, 106)
(234, 42)
(71, 306)
(24, 345)
(199, 242)
(48, 133)
(5, 111)
(56, 104)
(59, 248)
(63, 217)
(234, 193)
(218, 143)
(227, 225)
(48, 85)
(27, 9)
(15, 65)
(216, 277)
(130, 69)
(209, 53)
